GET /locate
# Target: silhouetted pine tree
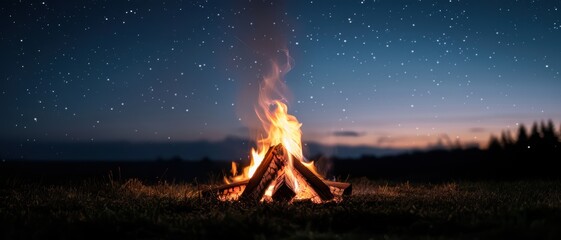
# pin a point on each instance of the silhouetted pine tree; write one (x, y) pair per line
(535, 141)
(548, 134)
(522, 141)
(559, 136)
(506, 140)
(494, 144)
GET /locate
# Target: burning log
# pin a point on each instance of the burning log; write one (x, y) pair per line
(266, 173)
(230, 191)
(272, 171)
(314, 182)
(275, 180)
(284, 189)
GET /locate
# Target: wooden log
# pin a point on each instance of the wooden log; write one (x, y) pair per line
(304, 191)
(272, 169)
(319, 187)
(225, 192)
(267, 172)
(284, 189)
(340, 189)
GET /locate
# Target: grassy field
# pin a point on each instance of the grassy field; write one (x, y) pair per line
(102, 208)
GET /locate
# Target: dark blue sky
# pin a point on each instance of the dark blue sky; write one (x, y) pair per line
(385, 73)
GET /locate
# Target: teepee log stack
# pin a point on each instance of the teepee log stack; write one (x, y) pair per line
(273, 174)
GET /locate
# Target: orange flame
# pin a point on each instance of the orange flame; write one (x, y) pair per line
(278, 126)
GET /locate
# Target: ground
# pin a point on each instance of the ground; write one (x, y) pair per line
(96, 209)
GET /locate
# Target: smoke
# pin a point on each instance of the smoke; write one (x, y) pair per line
(259, 33)
(262, 28)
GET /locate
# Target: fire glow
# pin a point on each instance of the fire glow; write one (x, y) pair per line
(278, 169)
(278, 125)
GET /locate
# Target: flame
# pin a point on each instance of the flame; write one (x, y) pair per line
(278, 126)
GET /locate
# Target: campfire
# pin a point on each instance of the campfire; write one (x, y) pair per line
(278, 170)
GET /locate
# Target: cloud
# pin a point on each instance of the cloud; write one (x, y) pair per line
(348, 134)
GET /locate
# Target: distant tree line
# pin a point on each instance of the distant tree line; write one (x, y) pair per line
(534, 153)
(542, 139)
(528, 154)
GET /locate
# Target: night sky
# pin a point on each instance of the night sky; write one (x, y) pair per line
(382, 73)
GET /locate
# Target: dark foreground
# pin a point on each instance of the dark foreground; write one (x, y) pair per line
(97, 209)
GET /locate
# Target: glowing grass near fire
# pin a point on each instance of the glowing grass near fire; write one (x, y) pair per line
(77, 210)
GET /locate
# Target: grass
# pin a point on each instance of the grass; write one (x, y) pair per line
(102, 208)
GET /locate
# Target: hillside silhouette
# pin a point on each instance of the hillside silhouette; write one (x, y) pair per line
(524, 154)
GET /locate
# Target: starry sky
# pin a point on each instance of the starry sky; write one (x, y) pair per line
(379, 73)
